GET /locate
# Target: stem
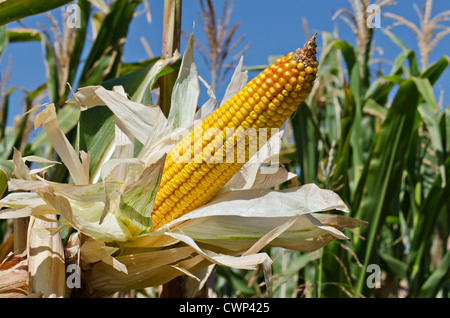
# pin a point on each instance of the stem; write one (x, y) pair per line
(174, 288)
(171, 43)
(214, 78)
(20, 234)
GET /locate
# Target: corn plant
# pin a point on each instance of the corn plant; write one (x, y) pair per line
(382, 144)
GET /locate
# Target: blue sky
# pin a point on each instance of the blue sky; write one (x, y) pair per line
(272, 28)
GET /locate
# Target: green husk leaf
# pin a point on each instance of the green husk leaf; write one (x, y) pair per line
(138, 198)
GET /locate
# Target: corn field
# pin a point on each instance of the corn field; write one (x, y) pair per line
(94, 203)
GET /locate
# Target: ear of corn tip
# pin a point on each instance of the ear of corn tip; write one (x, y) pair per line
(206, 159)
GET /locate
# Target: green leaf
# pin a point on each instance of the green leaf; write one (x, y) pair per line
(381, 87)
(445, 130)
(396, 266)
(103, 60)
(395, 39)
(356, 139)
(375, 109)
(429, 111)
(306, 138)
(128, 68)
(3, 39)
(23, 35)
(333, 262)
(11, 10)
(340, 177)
(79, 43)
(436, 280)
(434, 71)
(52, 71)
(138, 82)
(21, 129)
(4, 114)
(299, 262)
(238, 281)
(286, 267)
(347, 52)
(433, 206)
(96, 136)
(6, 170)
(255, 68)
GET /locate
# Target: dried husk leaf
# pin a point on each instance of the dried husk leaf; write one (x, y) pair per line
(93, 251)
(14, 277)
(193, 287)
(160, 266)
(268, 180)
(102, 277)
(46, 262)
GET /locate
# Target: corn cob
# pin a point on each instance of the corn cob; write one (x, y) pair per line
(199, 166)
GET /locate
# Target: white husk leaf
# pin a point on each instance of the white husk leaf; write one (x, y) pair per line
(134, 117)
(245, 178)
(185, 91)
(237, 82)
(269, 203)
(234, 234)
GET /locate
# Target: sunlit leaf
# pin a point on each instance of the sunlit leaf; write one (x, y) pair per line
(11, 10)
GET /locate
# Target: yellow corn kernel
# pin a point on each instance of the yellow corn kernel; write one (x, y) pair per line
(267, 101)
